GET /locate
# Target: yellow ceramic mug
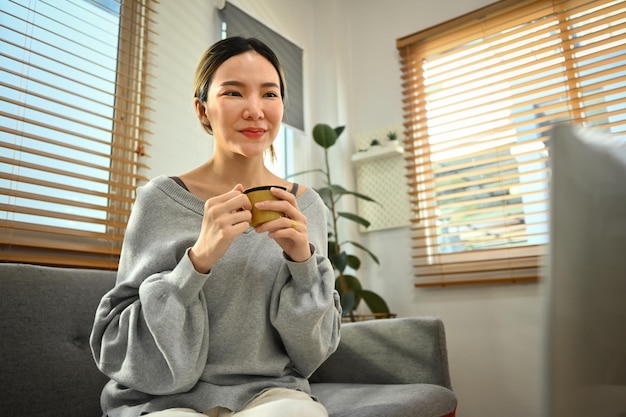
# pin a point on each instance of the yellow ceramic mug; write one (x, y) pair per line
(258, 194)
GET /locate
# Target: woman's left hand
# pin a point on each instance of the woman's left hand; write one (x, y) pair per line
(290, 231)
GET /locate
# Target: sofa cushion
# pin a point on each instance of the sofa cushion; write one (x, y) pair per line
(377, 400)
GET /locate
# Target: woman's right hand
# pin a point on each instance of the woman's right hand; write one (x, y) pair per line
(226, 216)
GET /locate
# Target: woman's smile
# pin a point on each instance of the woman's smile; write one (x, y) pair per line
(253, 133)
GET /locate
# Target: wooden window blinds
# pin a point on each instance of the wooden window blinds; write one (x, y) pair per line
(480, 95)
(72, 126)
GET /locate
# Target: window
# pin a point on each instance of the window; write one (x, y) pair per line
(481, 93)
(72, 124)
(284, 149)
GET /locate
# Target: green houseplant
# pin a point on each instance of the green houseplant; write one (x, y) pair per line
(348, 286)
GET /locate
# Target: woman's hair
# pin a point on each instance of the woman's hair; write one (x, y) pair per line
(221, 51)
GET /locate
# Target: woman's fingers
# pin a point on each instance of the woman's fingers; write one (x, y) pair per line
(290, 231)
(286, 204)
(225, 217)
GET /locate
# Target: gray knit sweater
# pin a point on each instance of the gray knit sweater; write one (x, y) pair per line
(168, 336)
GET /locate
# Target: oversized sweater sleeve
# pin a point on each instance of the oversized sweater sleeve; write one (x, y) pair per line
(306, 309)
(151, 330)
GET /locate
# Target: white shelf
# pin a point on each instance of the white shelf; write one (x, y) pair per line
(377, 152)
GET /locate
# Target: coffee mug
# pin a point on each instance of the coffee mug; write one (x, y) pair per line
(258, 194)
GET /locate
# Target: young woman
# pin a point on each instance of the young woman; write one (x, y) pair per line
(210, 316)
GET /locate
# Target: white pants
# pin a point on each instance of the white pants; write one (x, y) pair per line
(277, 402)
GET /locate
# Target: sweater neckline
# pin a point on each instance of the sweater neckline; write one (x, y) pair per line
(187, 199)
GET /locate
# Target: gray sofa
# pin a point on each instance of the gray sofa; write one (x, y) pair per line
(383, 368)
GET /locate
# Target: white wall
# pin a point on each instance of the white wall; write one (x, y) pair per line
(178, 142)
(352, 77)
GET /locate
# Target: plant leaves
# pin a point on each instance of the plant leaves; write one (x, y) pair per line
(339, 260)
(363, 197)
(358, 245)
(353, 193)
(374, 302)
(354, 217)
(353, 262)
(348, 303)
(338, 189)
(306, 172)
(324, 193)
(324, 135)
(352, 285)
(348, 286)
(332, 246)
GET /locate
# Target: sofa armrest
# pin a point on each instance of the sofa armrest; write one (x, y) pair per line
(389, 351)
(47, 366)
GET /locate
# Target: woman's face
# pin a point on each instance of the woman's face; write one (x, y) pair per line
(244, 106)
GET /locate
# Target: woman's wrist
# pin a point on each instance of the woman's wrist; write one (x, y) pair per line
(197, 262)
(305, 256)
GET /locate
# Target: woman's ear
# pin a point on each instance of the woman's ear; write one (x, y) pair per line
(201, 111)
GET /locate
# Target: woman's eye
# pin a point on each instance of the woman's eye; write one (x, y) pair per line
(232, 93)
(271, 94)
